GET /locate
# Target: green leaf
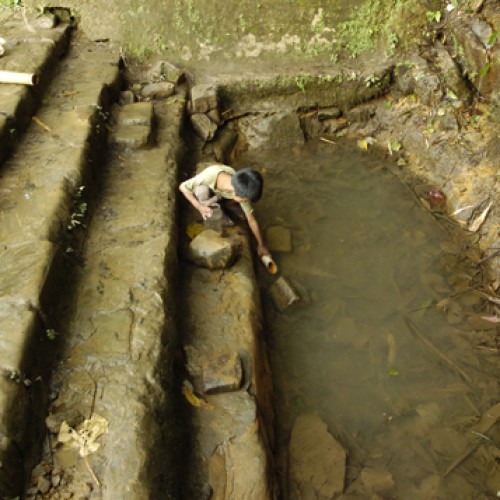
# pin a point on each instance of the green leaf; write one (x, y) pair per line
(485, 70)
(493, 39)
(393, 373)
(395, 145)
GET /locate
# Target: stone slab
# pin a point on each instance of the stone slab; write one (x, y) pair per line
(136, 113)
(132, 136)
(203, 98)
(37, 186)
(17, 339)
(24, 271)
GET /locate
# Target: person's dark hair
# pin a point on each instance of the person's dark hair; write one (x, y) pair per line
(248, 183)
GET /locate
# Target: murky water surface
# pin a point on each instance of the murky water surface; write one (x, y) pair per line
(395, 378)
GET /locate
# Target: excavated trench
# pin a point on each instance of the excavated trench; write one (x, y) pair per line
(134, 367)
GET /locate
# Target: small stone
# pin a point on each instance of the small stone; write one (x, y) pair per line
(31, 492)
(38, 470)
(361, 113)
(43, 484)
(160, 90)
(127, 97)
(56, 480)
(279, 239)
(328, 114)
(476, 5)
(203, 126)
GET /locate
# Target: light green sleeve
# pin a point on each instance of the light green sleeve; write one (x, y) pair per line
(246, 207)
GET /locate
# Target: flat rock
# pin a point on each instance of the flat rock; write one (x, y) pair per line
(279, 239)
(377, 480)
(222, 373)
(279, 130)
(160, 90)
(203, 98)
(210, 250)
(317, 461)
(136, 113)
(237, 468)
(131, 136)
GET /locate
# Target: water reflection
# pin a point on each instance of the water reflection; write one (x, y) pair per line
(370, 353)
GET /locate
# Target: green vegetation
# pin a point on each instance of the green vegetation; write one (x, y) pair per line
(10, 4)
(51, 334)
(434, 16)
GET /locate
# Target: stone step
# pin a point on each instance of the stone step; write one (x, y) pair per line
(30, 47)
(39, 184)
(119, 332)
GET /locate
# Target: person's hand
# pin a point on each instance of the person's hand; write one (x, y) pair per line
(205, 211)
(262, 250)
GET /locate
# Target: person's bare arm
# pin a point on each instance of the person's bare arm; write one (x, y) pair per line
(254, 227)
(204, 210)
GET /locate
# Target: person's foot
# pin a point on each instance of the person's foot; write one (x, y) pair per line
(227, 221)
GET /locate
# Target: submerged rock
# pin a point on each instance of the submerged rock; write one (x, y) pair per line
(279, 239)
(317, 461)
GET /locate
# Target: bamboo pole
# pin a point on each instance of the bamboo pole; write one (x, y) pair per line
(21, 78)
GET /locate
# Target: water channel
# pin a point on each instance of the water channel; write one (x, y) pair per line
(380, 348)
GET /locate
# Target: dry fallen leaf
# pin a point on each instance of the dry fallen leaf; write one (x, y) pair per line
(194, 230)
(192, 398)
(476, 224)
(492, 319)
(84, 439)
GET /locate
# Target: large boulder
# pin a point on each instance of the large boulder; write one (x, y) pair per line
(280, 130)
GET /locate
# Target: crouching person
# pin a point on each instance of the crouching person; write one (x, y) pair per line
(235, 190)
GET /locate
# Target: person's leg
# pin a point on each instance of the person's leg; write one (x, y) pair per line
(202, 193)
(233, 209)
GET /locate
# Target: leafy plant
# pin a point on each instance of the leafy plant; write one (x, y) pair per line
(434, 16)
(80, 209)
(372, 81)
(51, 334)
(10, 4)
(393, 41)
(301, 82)
(485, 70)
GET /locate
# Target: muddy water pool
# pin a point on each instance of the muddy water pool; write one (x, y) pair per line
(396, 373)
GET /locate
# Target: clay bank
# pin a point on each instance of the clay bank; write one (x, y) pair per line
(133, 350)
